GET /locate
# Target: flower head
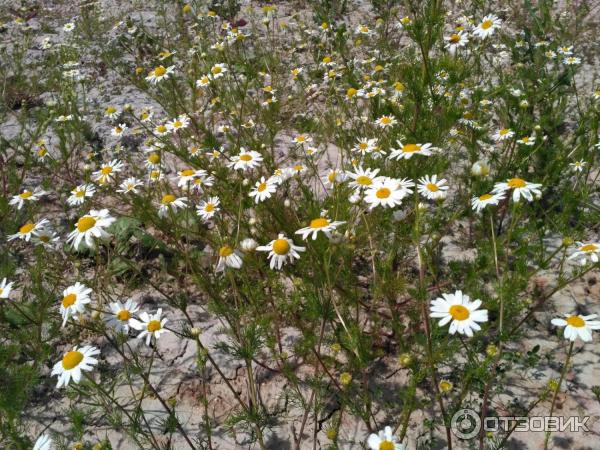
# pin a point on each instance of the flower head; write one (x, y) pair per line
(458, 309)
(578, 326)
(73, 363)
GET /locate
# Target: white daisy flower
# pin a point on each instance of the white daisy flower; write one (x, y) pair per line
(91, 227)
(584, 251)
(107, 171)
(245, 160)
(179, 123)
(578, 326)
(432, 188)
(161, 130)
(578, 166)
(111, 112)
(320, 224)
(334, 177)
(119, 130)
(520, 187)
(478, 203)
(302, 139)
(74, 299)
(388, 192)
(263, 190)
(362, 178)
(26, 196)
(121, 315)
(208, 208)
(527, 140)
(46, 237)
(73, 362)
(130, 185)
(281, 250)
(464, 314)
(5, 288)
(203, 82)
(503, 134)
(171, 203)
(406, 151)
(487, 27)
(384, 440)
(456, 41)
(80, 193)
(28, 230)
(386, 121)
(150, 325)
(228, 257)
(43, 443)
(572, 61)
(365, 145)
(217, 71)
(160, 73)
(188, 175)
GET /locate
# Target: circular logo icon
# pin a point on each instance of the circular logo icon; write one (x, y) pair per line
(465, 424)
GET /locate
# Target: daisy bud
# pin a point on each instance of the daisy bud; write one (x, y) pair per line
(336, 348)
(553, 384)
(95, 315)
(567, 241)
(252, 221)
(287, 203)
(245, 182)
(524, 104)
(195, 332)
(480, 169)
(491, 350)
(331, 434)
(404, 360)
(248, 245)
(253, 231)
(445, 386)
(345, 379)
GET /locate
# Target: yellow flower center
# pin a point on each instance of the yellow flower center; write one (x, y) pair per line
(246, 157)
(321, 222)
(516, 183)
(351, 92)
(167, 198)
(110, 110)
(504, 131)
(162, 129)
(177, 124)
(209, 207)
(153, 325)
(383, 193)
(27, 228)
(432, 187)
(187, 172)
(485, 197)
(454, 39)
(42, 152)
(575, 321)
(261, 187)
(25, 194)
(85, 223)
(386, 445)
(411, 148)
(588, 248)
(71, 360)
(106, 170)
(69, 300)
(459, 312)
(364, 180)
(123, 315)
(386, 120)
(216, 70)
(281, 246)
(225, 251)
(487, 24)
(160, 71)
(154, 158)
